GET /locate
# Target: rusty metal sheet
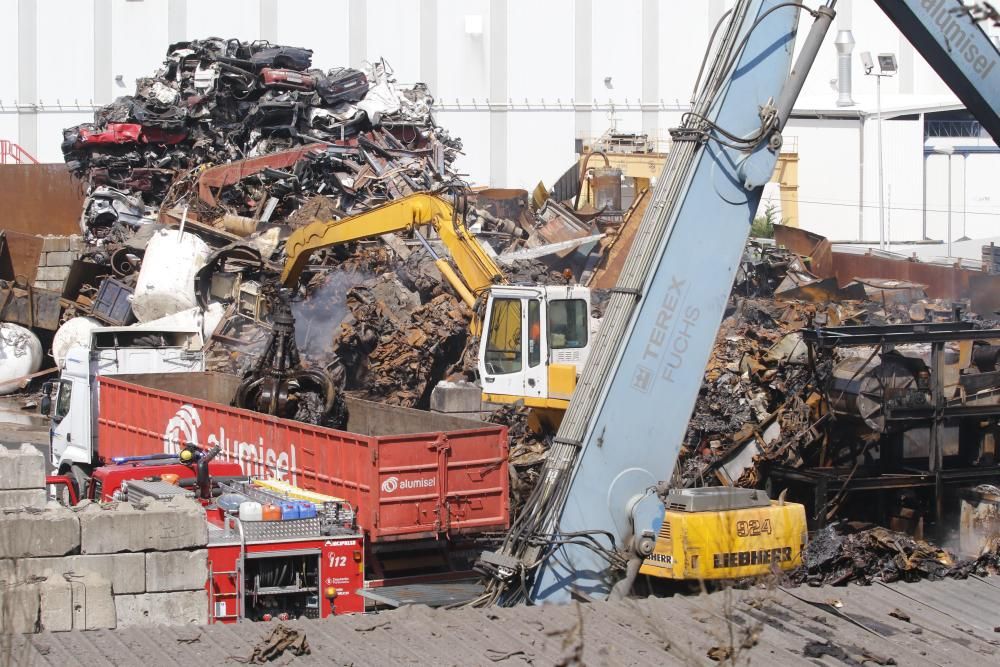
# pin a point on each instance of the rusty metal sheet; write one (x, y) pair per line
(24, 251)
(215, 178)
(34, 308)
(509, 203)
(559, 225)
(34, 196)
(984, 292)
(807, 244)
(6, 264)
(943, 282)
(814, 290)
(606, 277)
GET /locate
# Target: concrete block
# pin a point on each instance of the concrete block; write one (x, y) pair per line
(456, 397)
(52, 273)
(126, 572)
(19, 607)
(59, 258)
(93, 604)
(156, 526)
(51, 532)
(55, 605)
(180, 608)
(55, 243)
(76, 603)
(76, 244)
(176, 570)
(21, 498)
(22, 468)
(8, 570)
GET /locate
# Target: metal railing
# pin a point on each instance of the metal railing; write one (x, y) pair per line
(953, 128)
(11, 153)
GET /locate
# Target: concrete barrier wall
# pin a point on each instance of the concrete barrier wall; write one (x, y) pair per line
(55, 259)
(95, 565)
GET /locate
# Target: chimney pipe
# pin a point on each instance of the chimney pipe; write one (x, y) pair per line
(845, 46)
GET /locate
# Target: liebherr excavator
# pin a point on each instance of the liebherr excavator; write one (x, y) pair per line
(602, 510)
(536, 338)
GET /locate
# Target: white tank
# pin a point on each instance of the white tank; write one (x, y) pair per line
(20, 355)
(166, 279)
(73, 333)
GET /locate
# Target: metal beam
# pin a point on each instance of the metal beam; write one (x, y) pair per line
(27, 75)
(583, 53)
(498, 93)
(429, 43)
(102, 52)
(357, 32)
(176, 21)
(651, 39)
(269, 20)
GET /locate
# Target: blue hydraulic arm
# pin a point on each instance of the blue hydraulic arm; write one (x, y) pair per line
(954, 44)
(594, 507)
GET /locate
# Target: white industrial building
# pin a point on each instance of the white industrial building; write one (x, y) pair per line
(520, 80)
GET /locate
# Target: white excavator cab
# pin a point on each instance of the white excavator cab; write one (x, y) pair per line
(534, 343)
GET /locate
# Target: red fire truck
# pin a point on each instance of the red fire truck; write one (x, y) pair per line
(271, 554)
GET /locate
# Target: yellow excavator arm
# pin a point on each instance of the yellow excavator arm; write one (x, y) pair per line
(476, 270)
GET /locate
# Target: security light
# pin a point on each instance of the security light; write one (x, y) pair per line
(866, 60)
(887, 63)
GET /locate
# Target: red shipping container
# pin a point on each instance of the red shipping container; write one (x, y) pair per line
(438, 482)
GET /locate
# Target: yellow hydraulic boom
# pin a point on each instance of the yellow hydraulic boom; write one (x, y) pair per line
(476, 270)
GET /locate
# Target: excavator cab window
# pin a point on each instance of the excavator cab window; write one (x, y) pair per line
(568, 324)
(503, 339)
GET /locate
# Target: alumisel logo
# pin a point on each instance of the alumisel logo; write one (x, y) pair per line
(392, 484)
(182, 428)
(254, 457)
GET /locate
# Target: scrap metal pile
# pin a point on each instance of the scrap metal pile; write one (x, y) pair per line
(392, 347)
(762, 400)
(234, 145)
(837, 555)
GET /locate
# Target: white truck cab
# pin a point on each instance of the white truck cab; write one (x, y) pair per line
(112, 351)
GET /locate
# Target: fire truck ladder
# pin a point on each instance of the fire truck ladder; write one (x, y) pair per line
(11, 153)
(214, 594)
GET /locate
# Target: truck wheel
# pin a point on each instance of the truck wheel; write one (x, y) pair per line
(80, 475)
